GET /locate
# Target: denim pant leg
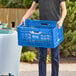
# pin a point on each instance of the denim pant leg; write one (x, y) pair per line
(42, 61)
(55, 61)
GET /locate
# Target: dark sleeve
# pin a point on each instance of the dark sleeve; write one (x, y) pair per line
(36, 1)
(61, 0)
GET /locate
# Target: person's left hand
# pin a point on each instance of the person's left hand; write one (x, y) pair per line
(59, 23)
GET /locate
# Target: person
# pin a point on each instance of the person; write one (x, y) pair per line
(49, 10)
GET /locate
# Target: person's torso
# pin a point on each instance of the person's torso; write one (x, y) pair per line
(49, 9)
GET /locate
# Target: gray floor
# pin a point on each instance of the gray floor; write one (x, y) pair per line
(32, 69)
(35, 73)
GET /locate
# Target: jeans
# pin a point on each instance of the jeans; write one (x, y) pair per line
(54, 59)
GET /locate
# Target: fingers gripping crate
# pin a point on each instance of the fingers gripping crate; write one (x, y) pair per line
(40, 33)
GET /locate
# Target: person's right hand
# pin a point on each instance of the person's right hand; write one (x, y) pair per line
(23, 20)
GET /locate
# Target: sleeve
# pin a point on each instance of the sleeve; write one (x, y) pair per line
(36, 1)
(61, 0)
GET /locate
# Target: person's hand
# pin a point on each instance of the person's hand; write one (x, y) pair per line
(23, 20)
(59, 23)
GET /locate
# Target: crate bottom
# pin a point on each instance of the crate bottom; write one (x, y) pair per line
(47, 44)
(52, 46)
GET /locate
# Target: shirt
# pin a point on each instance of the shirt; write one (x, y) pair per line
(49, 9)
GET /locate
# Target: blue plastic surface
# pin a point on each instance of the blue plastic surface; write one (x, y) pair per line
(40, 33)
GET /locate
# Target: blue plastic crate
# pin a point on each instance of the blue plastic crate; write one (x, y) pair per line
(40, 33)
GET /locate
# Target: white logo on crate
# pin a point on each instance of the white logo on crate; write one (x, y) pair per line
(32, 32)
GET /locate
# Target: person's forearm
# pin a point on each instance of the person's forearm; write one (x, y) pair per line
(29, 13)
(64, 12)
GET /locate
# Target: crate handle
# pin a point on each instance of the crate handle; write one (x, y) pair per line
(44, 24)
(33, 32)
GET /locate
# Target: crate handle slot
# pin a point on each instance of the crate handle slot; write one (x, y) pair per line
(44, 24)
(34, 32)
